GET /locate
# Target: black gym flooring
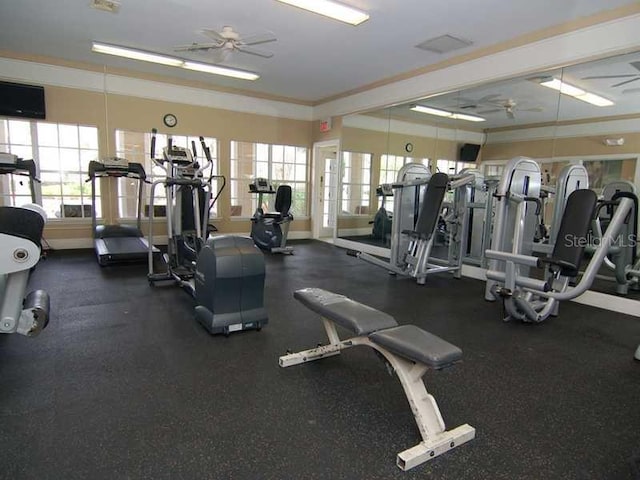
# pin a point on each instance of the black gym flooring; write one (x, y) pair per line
(125, 384)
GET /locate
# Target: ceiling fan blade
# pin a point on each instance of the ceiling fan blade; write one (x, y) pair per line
(609, 76)
(533, 109)
(195, 47)
(630, 90)
(626, 81)
(635, 65)
(489, 98)
(254, 51)
(213, 35)
(258, 39)
(495, 110)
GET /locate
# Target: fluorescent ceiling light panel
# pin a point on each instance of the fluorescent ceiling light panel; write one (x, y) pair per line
(444, 113)
(136, 54)
(172, 61)
(576, 92)
(216, 70)
(331, 9)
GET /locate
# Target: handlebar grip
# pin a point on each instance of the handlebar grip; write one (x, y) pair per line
(353, 253)
(170, 143)
(153, 142)
(207, 151)
(193, 147)
(535, 200)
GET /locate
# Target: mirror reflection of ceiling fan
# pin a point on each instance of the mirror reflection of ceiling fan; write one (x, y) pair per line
(227, 42)
(632, 76)
(507, 105)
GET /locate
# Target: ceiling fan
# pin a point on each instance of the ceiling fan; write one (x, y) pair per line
(633, 77)
(228, 41)
(509, 106)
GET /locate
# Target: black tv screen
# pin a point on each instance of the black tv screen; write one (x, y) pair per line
(18, 100)
(469, 152)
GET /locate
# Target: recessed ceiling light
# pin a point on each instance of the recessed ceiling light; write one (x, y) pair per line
(444, 113)
(331, 9)
(172, 61)
(575, 92)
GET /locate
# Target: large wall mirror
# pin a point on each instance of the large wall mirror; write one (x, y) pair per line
(587, 113)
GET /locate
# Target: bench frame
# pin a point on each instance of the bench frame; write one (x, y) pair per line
(435, 439)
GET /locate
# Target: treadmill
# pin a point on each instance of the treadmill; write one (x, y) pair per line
(13, 165)
(118, 243)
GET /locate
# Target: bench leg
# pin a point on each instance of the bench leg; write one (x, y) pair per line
(332, 348)
(435, 439)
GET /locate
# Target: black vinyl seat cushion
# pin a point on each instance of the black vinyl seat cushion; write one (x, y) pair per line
(418, 345)
(431, 207)
(572, 235)
(360, 319)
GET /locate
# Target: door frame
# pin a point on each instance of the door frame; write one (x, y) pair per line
(316, 213)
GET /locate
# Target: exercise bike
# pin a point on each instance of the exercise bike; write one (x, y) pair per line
(269, 230)
(382, 220)
(225, 274)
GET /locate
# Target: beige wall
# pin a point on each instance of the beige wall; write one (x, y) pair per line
(111, 112)
(561, 147)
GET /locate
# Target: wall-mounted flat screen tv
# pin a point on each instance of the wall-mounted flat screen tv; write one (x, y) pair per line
(20, 100)
(469, 152)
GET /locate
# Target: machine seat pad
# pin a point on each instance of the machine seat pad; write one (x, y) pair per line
(360, 319)
(418, 345)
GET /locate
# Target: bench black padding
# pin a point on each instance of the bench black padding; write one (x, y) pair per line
(431, 207)
(417, 345)
(572, 235)
(360, 319)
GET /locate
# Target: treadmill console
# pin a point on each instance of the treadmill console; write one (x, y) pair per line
(8, 159)
(115, 163)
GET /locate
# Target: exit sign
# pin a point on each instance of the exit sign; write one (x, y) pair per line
(325, 125)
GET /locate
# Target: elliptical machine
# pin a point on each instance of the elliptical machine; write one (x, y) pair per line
(20, 235)
(224, 274)
(269, 230)
(382, 220)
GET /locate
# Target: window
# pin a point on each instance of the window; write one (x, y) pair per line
(280, 164)
(451, 167)
(356, 183)
(493, 170)
(390, 165)
(15, 138)
(136, 148)
(62, 153)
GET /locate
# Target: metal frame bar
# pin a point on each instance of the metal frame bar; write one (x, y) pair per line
(435, 439)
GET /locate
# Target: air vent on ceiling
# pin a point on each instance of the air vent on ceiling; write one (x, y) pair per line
(444, 44)
(111, 6)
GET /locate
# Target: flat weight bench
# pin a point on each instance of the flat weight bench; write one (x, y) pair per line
(410, 350)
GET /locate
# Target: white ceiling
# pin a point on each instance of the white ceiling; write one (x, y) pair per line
(527, 94)
(314, 57)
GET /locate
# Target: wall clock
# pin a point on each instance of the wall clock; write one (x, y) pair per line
(170, 120)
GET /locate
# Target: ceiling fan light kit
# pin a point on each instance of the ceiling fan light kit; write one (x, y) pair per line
(172, 61)
(331, 9)
(575, 92)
